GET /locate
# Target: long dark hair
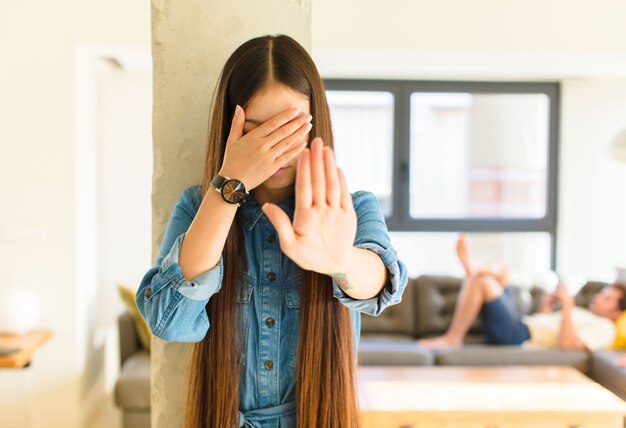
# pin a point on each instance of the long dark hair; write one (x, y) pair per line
(325, 370)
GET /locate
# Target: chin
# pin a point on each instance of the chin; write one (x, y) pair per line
(277, 184)
(280, 181)
(274, 184)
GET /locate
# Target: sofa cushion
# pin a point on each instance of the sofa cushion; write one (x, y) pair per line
(395, 319)
(393, 350)
(132, 389)
(136, 419)
(488, 355)
(604, 371)
(437, 297)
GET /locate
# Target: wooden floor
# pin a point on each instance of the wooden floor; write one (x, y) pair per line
(485, 397)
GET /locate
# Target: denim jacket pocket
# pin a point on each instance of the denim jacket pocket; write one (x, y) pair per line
(243, 305)
(292, 297)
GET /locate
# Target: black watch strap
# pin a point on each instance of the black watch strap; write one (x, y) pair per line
(218, 182)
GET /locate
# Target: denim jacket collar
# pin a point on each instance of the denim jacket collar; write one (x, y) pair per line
(251, 211)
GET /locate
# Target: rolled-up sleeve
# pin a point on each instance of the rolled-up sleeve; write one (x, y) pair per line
(372, 234)
(173, 307)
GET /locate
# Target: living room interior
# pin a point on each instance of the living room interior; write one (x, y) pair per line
(100, 99)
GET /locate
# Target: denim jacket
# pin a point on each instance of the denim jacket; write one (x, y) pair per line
(174, 308)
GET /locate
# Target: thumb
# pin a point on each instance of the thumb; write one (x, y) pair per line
(281, 223)
(236, 127)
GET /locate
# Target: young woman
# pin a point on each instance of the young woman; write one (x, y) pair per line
(268, 264)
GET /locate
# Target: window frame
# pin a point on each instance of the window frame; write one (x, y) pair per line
(400, 219)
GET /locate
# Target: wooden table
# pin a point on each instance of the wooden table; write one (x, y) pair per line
(27, 344)
(485, 397)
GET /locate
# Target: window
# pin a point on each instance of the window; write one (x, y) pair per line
(364, 121)
(478, 157)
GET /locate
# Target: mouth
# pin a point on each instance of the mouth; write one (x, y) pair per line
(280, 171)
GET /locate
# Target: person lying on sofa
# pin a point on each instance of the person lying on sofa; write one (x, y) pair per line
(485, 292)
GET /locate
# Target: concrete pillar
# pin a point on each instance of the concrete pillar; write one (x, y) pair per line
(191, 41)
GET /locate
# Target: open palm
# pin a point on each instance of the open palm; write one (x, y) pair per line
(324, 223)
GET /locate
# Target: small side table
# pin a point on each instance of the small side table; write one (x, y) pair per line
(26, 344)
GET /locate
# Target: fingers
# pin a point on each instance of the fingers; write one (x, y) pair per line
(266, 128)
(284, 132)
(236, 127)
(293, 140)
(281, 222)
(304, 192)
(333, 187)
(290, 154)
(318, 180)
(346, 197)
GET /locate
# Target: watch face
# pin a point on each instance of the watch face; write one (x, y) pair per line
(234, 191)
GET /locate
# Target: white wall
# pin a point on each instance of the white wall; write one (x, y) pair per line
(461, 39)
(479, 25)
(581, 44)
(124, 209)
(592, 199)
(38, 185)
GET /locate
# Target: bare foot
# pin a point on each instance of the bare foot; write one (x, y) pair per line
(440, 342)
(463, 253)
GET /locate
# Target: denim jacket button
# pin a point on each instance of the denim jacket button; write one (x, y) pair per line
(271, 239)
(271, 276)
(148, 293)
(268, 365)
(269, 322)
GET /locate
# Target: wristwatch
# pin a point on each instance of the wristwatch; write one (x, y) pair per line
(232, 190)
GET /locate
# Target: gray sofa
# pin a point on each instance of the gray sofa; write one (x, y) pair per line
(426, 310)
(389, 339)
(132, 389)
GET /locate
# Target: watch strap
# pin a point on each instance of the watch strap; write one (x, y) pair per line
(218, 182)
